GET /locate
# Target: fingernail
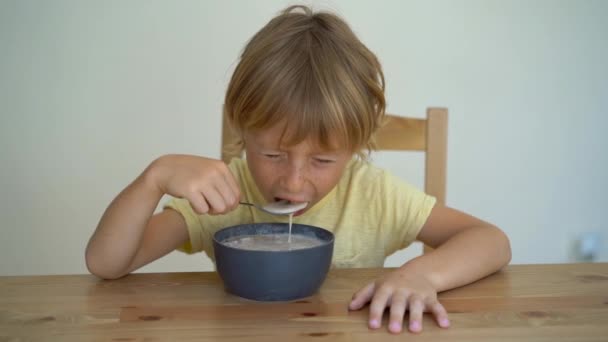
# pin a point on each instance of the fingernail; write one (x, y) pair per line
(415, 326)
(444, 322)
(374, 323)
(395, 327)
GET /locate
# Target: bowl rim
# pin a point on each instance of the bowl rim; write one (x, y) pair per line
(324, 242)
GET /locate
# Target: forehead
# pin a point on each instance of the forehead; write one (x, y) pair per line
(282, 136)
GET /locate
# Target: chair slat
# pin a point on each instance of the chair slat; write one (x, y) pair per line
(401, 134)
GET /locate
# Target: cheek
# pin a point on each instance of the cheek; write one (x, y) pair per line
(327, 179)
(263, 173)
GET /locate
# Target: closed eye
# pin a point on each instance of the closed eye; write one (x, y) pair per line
(272, 156)
(324, 161)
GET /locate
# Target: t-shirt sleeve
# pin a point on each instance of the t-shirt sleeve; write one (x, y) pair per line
(409, 208)
(195, 229)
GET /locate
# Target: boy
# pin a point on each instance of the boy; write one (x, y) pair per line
(305, 98)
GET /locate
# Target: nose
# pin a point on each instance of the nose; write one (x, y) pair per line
(294, 178)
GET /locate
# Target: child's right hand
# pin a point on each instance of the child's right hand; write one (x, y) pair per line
(129, 234)
(206, 183)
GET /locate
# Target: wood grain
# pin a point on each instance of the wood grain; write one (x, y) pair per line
(523, 302)
(399, 133)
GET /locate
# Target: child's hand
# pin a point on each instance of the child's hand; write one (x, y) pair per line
(401, 291)
(206, 183)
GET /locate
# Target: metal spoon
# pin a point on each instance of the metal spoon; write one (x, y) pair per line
(282, 207)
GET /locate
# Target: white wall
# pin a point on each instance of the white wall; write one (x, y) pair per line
(91, 92)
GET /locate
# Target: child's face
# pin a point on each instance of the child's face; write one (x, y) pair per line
(299, 173)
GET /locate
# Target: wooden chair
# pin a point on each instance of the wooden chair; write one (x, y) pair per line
(428, 135)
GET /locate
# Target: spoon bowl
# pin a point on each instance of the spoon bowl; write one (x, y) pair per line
(282, 207)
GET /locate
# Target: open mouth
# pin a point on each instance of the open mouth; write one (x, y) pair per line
(278, 199)
(297, 213)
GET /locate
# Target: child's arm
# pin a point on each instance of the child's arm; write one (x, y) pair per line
(128, 236)
(466, 249)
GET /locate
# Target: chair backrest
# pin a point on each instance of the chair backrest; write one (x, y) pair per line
(428, 135)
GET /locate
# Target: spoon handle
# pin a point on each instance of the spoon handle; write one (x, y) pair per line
(247, 203)
(255, 206)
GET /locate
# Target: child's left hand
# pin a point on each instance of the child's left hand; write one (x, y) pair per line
(401, 291)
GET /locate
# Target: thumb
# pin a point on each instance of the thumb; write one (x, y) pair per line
(361, 297)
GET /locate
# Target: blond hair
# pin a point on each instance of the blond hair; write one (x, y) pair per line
(309, 71)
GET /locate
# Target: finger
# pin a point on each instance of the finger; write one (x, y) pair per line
(219, 181)
(377, 306)
(215, 200)
(398, 305)
(198, 203)
(362, 296)
(416, 310)
(228, 197)
(441, 315)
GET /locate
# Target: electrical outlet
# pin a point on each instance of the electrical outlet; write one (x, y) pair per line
(588, 246)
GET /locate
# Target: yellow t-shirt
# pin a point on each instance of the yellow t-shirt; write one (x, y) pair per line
(371, 213)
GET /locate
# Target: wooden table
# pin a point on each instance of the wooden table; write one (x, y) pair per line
(523, 302)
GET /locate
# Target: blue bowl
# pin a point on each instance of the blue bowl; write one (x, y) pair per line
(273, 275)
